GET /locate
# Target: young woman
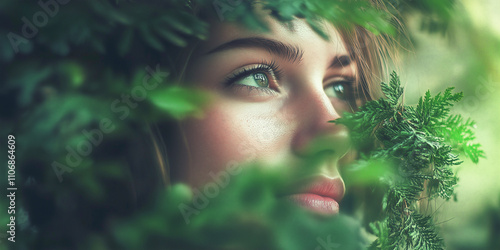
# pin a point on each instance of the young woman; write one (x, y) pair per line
(274, 94)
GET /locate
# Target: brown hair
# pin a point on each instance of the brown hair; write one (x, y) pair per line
(374, 55)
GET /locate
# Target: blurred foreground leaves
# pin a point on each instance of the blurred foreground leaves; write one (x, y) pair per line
(242, 213)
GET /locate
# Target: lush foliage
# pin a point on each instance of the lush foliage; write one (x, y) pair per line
(240, 212)
(65, 75)
(416, 148)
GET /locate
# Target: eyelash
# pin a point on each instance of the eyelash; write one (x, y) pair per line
(274, 72)
(270, 68)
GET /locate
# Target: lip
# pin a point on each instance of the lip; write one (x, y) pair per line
(322, 195)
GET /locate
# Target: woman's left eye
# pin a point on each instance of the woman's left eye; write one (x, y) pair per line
(339, 89)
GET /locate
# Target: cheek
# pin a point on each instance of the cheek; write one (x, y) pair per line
(236, 132)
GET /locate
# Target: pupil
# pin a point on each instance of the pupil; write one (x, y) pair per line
(261, 79)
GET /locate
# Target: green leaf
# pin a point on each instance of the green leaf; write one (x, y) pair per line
(420, 141)
(180, 102)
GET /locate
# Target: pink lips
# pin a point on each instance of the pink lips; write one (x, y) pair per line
(321, 196)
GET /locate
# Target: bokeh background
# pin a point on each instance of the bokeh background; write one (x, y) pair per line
(465, 54)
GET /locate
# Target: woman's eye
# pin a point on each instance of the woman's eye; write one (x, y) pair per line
(261, 77)
(259, 80)
(337, 90)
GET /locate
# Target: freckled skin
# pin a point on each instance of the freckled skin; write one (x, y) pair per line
(242, 124)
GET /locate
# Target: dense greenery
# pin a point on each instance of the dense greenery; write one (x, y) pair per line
(244, 214)
(413, 149)
(61, 76)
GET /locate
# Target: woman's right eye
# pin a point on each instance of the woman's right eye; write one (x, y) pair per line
(259, 80)
(261, 77)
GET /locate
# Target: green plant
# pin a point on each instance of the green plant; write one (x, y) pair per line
(414, 146)
(62, 76)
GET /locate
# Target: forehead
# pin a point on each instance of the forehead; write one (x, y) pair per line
(298, 34)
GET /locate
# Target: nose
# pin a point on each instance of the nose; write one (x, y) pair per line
(316, 135)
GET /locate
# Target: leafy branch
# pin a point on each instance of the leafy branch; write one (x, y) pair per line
(421, 143)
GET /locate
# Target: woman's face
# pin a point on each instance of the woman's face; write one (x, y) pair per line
(274, 95)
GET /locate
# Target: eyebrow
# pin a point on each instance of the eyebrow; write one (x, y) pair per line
(286, 51)
(341, 61)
